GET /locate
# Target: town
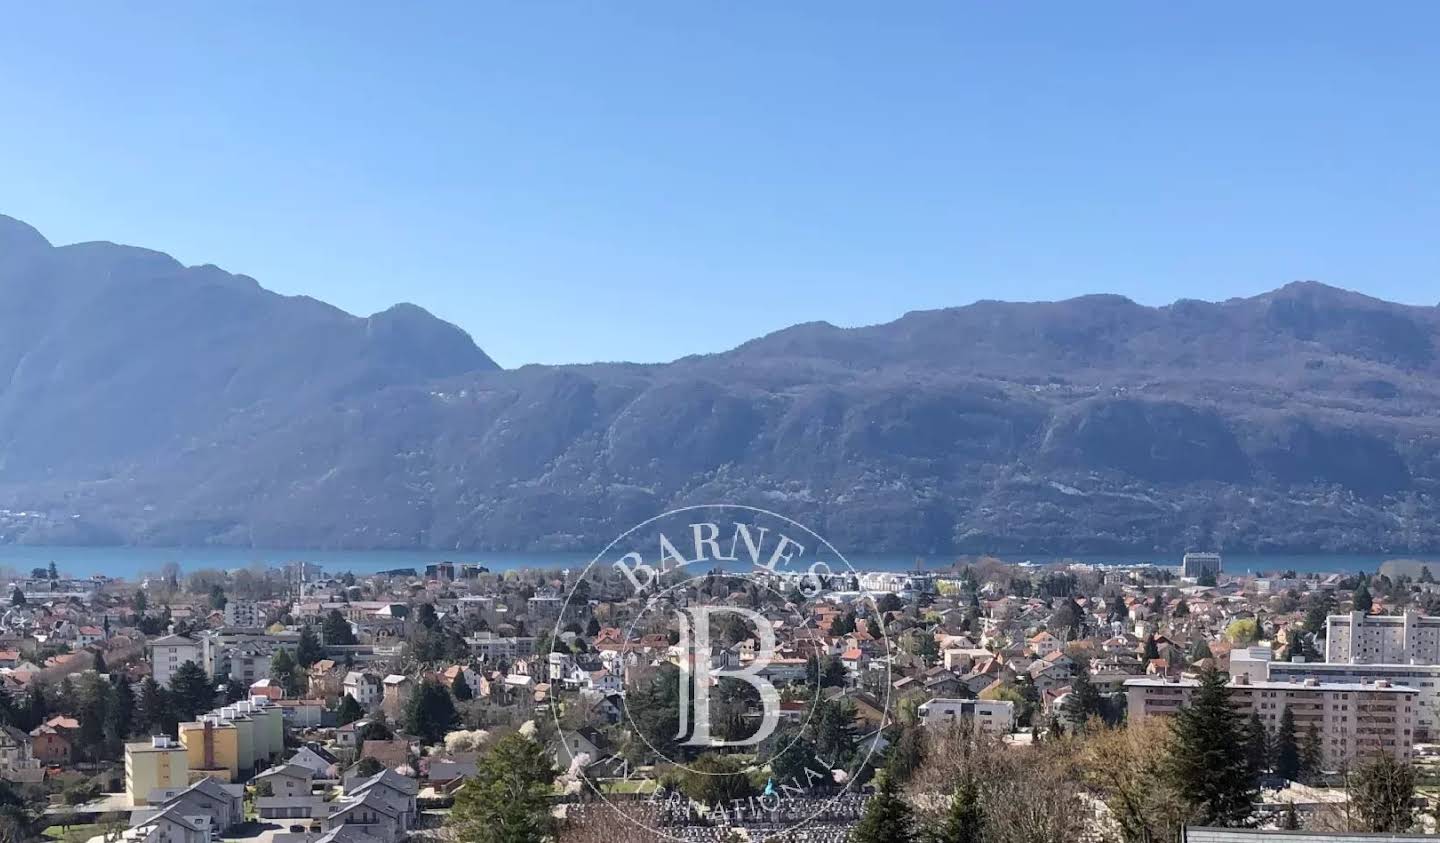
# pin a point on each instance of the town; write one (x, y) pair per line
(988, 700)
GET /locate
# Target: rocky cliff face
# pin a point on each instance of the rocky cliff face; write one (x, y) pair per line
(164, 404)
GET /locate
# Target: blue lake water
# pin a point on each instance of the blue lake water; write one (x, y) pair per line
(134, 562)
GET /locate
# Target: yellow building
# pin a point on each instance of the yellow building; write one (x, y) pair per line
(157, 763)
(212, 748)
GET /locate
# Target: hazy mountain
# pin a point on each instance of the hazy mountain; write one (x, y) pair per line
(163, 404)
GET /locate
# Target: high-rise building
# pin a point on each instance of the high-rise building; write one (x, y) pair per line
(1353, 719)
(1358, 638)
(1197, 565)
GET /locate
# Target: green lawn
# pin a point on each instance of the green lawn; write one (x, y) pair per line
(79, 831)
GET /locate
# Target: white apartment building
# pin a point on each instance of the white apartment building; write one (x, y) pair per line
(1255, 664)
(996, 717)
(243, 613)
(1352, 718)
(1358, 638)
(169, 652)
(365, 688)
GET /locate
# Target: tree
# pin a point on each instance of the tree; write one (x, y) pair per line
(909, 753)
(430, 713)
(98, 665)
(1206, 579)
(1182, 609)
(1363, 601)
(139, 602)
(308, 651)
(461, 687)
(368, 766)
(888, 819)
(217, 597)
(1200, 651)
(1312, 756)
(1243, 632)
(285, 672)
(349, 711)
(337, 630)
(1152, 650)
(1118, 610)
(154, 706)
(964, 822)
(190, 691)
(120, 716)
(1257, 744)
(17, 597)
(1289, 821)
(54, 572)
(1287, 748)
(716, 780)
(1209, 768)
(508, 800)
(1084, 701)
(1381, 790)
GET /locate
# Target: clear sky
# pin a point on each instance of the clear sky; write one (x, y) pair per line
(643, 180)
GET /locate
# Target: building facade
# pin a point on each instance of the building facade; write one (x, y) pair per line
(1197, 565)
(1353, 719)
(1358, 638)
(996, 717)
(156, 764)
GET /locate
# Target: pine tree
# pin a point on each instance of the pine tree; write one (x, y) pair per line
(337, 630)
(461, 687)
(120, 716)
(1084, 701)
(190, 691)
(17, 597)
(1312, 756)
(508, 799)
(964, 822)
(153, 704)
(1209, 767)
(888, 819)
(284, 671)
(1363, 601)
(349, 711)
(1257, 744)
(1152, 650)
(1287, 748)
(308, 650)
(430, 712)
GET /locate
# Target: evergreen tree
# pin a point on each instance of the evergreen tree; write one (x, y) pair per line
(888, 819)
(349, 711)
(337, 630)
(1182, 609)
(1363, 601)
(190, 692)
(430, 712)
(1118, 610)
(461, 687)
(1200, 651)
(98, 664)
(120, 716)
(308, 651)
(1152, 650)
(1287, 748)
(1312, 756)
(909, 754)
(153, 707)
(139, 602)
(17, 597)
(1209, 767)
(1257, 744)
(964, 822)
(1084, 701)
(508, 799)
(285, 672)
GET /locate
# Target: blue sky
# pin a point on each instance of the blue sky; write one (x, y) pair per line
(588, 181)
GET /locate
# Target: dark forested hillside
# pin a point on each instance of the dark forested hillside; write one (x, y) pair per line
(143, 401)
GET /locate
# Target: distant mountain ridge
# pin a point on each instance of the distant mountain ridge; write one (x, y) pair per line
(146, 402)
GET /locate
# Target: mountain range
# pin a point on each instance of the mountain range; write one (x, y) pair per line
(146, 402)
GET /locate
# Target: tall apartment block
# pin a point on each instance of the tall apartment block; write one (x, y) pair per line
(1353, 719)
(1358, 638)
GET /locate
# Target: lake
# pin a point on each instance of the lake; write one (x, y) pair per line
(132, 562)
